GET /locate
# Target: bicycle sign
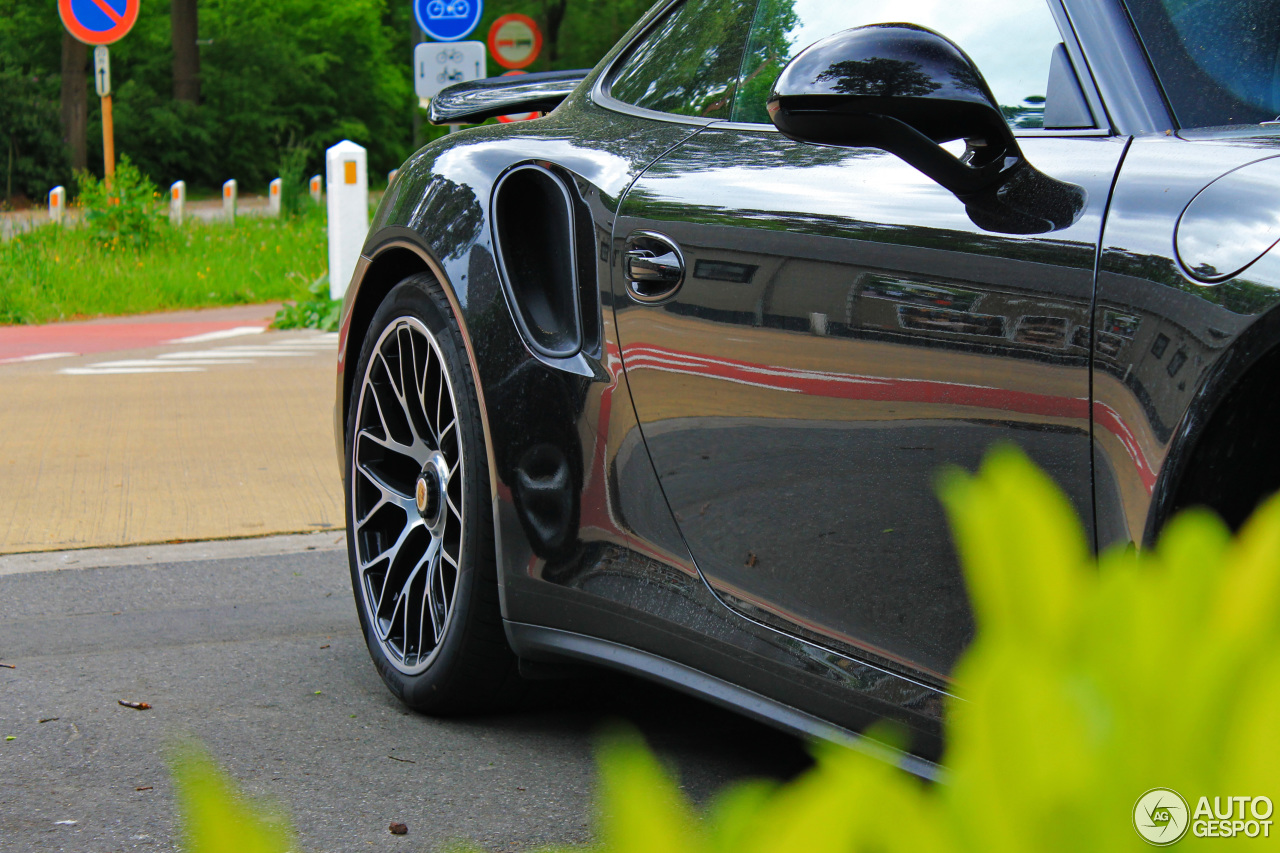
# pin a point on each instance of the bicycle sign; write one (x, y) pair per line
(437, 65)
(448, 20)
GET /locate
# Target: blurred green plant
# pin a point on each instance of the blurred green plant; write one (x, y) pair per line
(1088, 684)
(315, 312)
(215, 818)
(294, 195)
(126, 213)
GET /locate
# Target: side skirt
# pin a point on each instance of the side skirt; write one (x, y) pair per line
(536, 643)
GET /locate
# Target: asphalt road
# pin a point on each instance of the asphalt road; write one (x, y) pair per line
(260, 658)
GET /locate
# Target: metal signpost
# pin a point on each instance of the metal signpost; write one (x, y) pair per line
(448, 60)
(515, 41)
(448, 20)
(440, 64)
(100, 23)
(102, 70)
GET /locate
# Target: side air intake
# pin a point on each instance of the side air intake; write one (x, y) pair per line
(534, 226)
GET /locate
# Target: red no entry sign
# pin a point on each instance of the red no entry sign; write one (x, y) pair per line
(514, 41)
(98, 21)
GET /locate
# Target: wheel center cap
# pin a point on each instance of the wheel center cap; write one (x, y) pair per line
(428, 491)
(422, 496)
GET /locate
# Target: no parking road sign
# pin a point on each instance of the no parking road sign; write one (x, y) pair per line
(448, 20)
(98, 21)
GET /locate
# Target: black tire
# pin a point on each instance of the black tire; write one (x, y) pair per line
(468, 665)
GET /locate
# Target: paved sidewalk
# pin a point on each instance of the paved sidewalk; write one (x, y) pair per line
(223, 434)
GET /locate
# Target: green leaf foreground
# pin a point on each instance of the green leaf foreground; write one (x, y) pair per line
(1089, 682)
(215, 818)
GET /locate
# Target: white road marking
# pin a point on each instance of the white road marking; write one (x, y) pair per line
(195, 361)
(106, 371)
(151, 362)
(232, 353)
(238, 331)
(40, 356)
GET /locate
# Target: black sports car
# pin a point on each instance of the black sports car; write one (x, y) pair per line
(662, 380)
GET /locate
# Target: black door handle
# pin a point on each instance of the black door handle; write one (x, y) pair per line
(653, 266)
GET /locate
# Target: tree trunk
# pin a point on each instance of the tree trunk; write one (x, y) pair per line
(553, 11)
(186, 53)
(75, 100)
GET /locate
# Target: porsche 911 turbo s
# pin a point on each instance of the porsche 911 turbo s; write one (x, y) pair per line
(663, 379)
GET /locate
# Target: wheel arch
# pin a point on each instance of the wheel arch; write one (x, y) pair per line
(389, 258)
(1236, 401)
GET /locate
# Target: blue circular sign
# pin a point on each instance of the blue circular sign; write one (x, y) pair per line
(448, 20)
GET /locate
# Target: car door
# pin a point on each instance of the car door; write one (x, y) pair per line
(846, 328)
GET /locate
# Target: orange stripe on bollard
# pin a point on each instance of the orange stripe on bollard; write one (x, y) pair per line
(349, 169)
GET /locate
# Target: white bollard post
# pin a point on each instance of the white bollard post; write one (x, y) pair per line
(347, 185)
(229, 200)
(57, 203)
(178, 202)
(273, 197)
(391, 176)
(316, 184)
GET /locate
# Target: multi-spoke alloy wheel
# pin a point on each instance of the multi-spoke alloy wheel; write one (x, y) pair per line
(419, 539)
(407, 493)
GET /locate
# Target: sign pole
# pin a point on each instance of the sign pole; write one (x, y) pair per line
(108, 141)
(101, 23)
(102, 82)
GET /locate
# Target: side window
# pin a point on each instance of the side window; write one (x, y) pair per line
(689, 63)
(1011, 41)
(1218, 60)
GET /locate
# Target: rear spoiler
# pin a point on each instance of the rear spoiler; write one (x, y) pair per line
(470, 103)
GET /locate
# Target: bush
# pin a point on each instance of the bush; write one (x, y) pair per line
(1089, 684)
(295, 194)
(317, 312)
(126, 213)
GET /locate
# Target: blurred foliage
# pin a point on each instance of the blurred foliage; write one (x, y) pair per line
(275, 76)
(318, 311)
(215, 818)
(295, 194)
(1089, 683)
(32, 157)
(125, 214)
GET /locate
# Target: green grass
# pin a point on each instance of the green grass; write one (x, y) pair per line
(56, 273)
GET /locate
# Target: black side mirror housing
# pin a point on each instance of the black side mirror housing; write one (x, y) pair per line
(906, 89)
(902, 88)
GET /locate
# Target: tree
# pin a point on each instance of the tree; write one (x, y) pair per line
(75, 100)
(186, 51)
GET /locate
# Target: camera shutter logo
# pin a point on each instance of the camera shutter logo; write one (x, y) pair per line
(1161, 816)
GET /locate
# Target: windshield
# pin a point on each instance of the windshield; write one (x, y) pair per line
(1218, 60)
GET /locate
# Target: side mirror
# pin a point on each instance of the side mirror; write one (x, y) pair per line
(906, 89)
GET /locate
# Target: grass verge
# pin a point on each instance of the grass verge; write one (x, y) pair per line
(56, 273)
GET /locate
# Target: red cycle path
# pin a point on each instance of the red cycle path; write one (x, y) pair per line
(20, 343)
